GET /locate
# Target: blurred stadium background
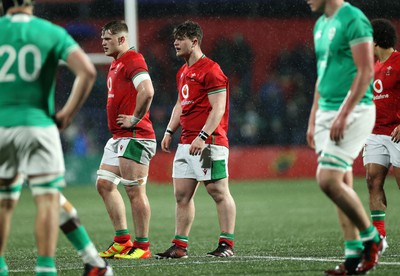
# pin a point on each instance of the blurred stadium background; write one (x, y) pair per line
(285, 226)
(263, 46)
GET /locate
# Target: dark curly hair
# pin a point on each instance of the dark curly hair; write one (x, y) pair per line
(188, 29)
(385, 35)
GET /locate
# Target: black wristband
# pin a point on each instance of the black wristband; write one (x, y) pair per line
(203, 135)
(169, 131)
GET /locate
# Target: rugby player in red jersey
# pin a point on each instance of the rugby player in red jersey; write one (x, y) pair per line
(202, 112)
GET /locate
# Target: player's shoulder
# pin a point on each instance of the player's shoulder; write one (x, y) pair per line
(47, 24)
(213, 66)
(209, 63)
(395, 59)
(133, 53)
(132, 56)
(396, 55)
(48, 28)
(349, 12)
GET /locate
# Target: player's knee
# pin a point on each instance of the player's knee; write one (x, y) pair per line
(49, 184)
(218, 195)
(182, 198)
(12, 191)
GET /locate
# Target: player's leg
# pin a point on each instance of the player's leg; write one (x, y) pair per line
(353, 246)
(44, 167)
(108, 178)
(184, 191)
(45, 190)
(76, 233)
(337, 158)
(134, 161)
(378, 151)
(376, 175)
(134, 180)
(343, 196)
(185, 186)
(215, 159)
(107, 181)
(349, 203)
(10, 190)
(226, 210)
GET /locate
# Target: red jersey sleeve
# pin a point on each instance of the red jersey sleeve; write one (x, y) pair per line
(135, 65)
(215, 80)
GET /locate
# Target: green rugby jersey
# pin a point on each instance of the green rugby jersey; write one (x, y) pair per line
(333, 38)
(30, 49)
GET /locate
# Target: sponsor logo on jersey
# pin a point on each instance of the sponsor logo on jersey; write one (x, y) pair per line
(378, 88)
(109, 84)
(185, 95)
(185, 91)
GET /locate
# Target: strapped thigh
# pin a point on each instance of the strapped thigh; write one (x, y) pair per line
(49, 184)
(109, 176)
(12, 191)
(137, 182)
(115, 179)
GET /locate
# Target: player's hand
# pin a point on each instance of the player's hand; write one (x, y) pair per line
(166, 142)
(337, 128)
(396, 134)
(124, 121)
(310, 136)
(62, 120)
(197, 146)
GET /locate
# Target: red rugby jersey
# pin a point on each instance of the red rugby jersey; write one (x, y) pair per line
(122, 95)
(194, 84)
(387, 94)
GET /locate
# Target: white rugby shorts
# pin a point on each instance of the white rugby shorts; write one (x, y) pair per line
(212, 164)
(138, 150)
(340, 155)
(380, 149)
(30, 150)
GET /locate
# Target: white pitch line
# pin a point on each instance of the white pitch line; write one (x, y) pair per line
(216, 260)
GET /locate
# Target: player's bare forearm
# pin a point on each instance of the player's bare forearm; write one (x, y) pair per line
(364, 60)
(174, 121)
(85, 75)
(218, 105)
(144, 98)
(311, 120)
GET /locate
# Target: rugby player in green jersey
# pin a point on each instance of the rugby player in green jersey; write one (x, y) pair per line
(30, 146)
(342, 116)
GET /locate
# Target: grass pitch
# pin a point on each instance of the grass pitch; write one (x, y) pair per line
(285, 227)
